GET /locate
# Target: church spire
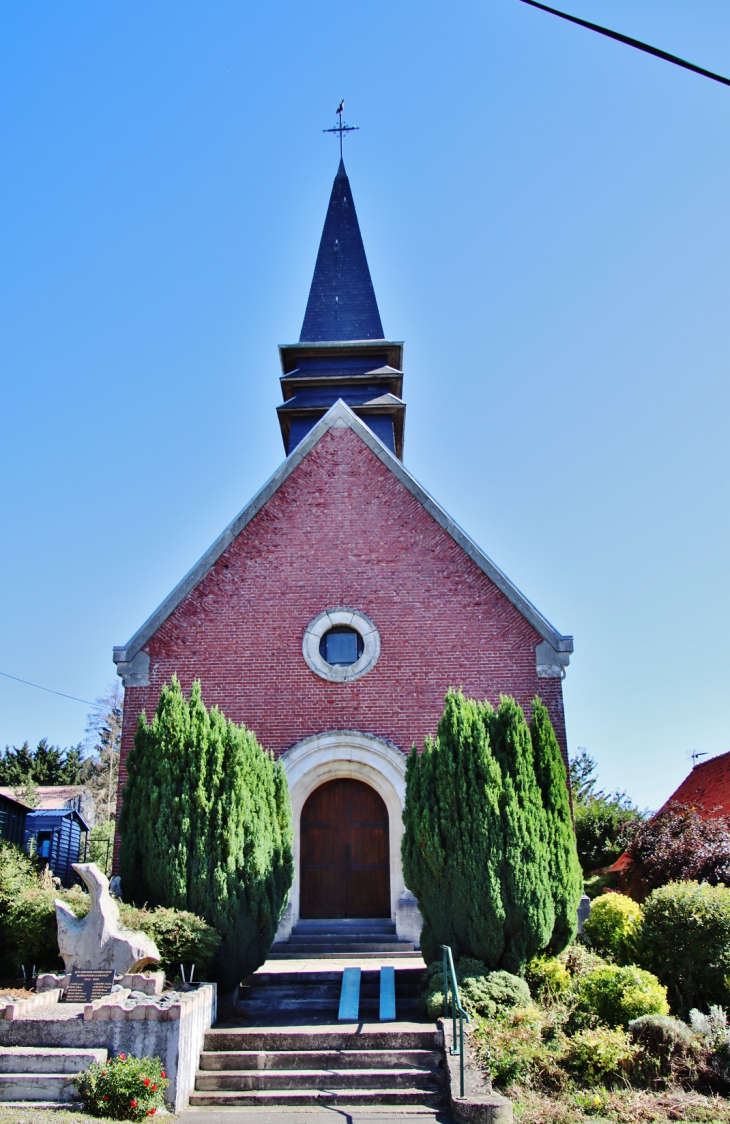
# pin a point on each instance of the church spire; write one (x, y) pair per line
(342, 304)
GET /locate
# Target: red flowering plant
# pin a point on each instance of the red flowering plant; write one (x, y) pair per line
(123, 1088)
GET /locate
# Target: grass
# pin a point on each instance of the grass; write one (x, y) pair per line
(625, 1106)
(31, 1115)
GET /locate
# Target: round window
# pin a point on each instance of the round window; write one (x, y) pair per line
(341, 646)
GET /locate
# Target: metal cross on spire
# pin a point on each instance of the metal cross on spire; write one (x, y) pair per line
(340, 128)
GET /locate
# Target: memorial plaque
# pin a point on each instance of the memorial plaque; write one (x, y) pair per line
(87, 984)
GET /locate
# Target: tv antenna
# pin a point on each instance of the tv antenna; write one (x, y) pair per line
(695, 757)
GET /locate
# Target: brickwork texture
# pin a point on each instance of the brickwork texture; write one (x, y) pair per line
(343, 531)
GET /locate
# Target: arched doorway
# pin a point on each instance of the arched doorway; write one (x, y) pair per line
(345, 852)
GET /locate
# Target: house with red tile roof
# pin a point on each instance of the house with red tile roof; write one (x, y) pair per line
(706, 788)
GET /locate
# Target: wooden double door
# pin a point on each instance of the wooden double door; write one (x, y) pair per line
(344, 852)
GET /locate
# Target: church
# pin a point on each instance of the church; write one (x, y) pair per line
(334, 612)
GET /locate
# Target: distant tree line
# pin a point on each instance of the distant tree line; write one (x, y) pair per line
(45, 765)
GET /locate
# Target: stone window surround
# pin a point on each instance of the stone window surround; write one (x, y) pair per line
(341, 673)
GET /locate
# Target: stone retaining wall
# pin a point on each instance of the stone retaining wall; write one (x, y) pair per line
(177, 1040)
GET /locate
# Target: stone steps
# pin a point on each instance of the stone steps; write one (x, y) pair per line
(342, 937)
(270, 1039)
(349, 1078)
(319, 1059)
(392, 953)
(319, 1065)
(319, 991)
(302, 1097)
(55, 1087)
(34, 1073)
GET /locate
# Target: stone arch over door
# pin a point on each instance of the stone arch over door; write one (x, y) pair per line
(346, 753)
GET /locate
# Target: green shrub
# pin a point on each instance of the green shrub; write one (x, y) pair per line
(713, 1032)
(481, 992)
(598, 1055)
(615, 995)
(667, 1048)
(511, 1048)
(613, 926)
(603, 828)
(548, 978)
(486, 995)
(580, 961)
(685, 939)
(123, 1088)
(29, 934)
(181, 937)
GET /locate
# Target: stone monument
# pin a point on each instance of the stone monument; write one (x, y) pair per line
(99, 940)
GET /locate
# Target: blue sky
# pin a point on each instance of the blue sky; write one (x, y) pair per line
(545, 214)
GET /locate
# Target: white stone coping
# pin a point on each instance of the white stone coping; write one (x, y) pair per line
(321, 624)
(18, 1008)
(112, 1007)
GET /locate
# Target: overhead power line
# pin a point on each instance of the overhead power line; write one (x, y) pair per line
(649, 50)
(47, 689)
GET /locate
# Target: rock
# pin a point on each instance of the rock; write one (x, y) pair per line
(99, 940)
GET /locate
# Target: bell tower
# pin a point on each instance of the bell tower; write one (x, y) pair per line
(342, 352)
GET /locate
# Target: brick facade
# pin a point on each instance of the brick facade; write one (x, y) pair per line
(342, 530)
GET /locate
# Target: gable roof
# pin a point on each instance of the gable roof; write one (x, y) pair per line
(337, 416)
(707, 787)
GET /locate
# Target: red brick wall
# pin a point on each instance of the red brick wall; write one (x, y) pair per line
(342, 530)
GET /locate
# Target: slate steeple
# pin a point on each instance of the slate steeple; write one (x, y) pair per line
(341, 351)
(342, 304)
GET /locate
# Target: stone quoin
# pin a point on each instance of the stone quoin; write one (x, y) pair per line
(335, 611)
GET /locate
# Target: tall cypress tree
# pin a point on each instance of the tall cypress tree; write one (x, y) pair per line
(526, 890)
(452, 845)
(153, 857)
(206, 826)
(476, 837)
(566, 877)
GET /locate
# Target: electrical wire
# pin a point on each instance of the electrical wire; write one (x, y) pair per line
(48, 689)
(631, 42)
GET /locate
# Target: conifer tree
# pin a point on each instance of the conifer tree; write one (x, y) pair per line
(526, 891)
(452, 846)
(206, 826)
(476, 839)
(566, 876)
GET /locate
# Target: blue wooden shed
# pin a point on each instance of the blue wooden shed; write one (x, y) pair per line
(60, 837)
(12, 820)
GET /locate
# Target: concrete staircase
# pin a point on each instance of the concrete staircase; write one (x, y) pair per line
(34, 1073)
(320, 1065)
(315, 991)
(337, 938)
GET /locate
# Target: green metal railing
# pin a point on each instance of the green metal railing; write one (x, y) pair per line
(450, 982)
